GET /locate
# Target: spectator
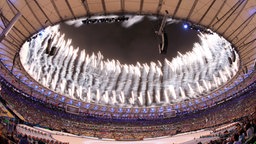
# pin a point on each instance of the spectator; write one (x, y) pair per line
(11, 136)
(250, 138)
(241, 136)
(24, 140)
(249, 131)
(236, 139)
(3, 140)
(41, 141)
(229, 141)
(239, 128)
(254, 125)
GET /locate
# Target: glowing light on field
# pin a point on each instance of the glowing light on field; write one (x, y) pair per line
(91, 78)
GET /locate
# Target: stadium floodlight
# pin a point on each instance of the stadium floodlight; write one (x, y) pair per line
(185, 26)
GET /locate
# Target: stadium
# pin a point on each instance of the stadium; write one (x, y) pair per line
(54, 90)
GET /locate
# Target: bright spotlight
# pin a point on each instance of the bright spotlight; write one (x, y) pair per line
(185, 26)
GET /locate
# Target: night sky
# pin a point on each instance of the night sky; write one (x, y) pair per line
(129, 45)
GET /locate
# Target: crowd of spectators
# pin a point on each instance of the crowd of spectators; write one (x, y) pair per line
(32, 135)
(11, 133)
(41, 114)
(242, 132)
(5, 136)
